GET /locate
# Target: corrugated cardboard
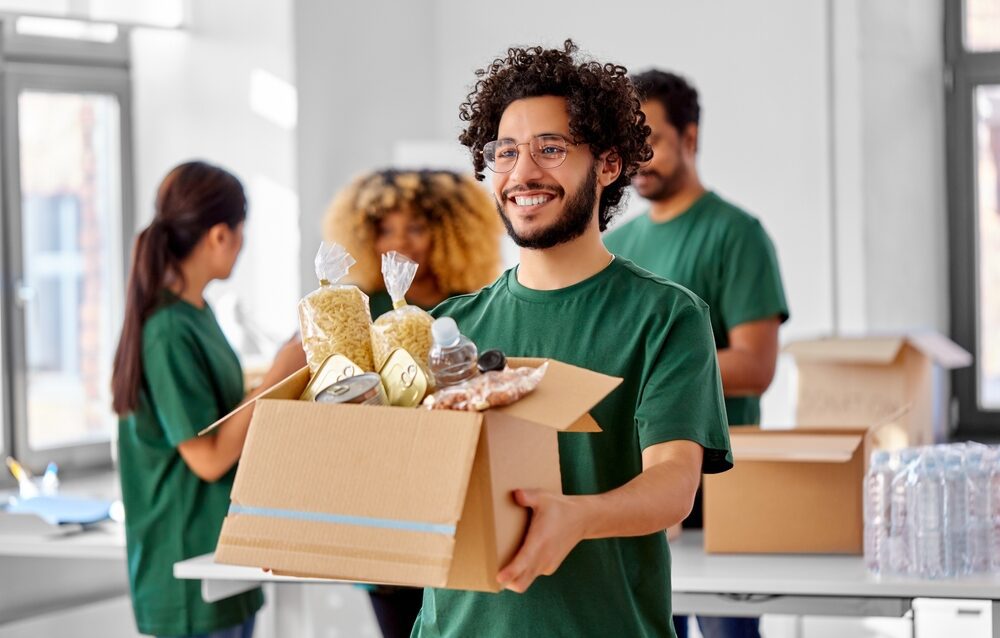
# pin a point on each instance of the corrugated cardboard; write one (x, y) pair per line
(790, 491)
(856, 382)
(398, 495)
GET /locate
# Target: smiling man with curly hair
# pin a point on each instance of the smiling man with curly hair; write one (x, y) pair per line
(562, 137)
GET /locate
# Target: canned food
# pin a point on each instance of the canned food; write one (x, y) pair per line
(334, 368)
(363, 389)
(405, 380)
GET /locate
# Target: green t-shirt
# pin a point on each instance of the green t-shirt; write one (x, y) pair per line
(721, 254)
(191, 377)
(655, 335)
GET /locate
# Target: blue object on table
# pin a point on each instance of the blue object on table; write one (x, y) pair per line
(63, 509)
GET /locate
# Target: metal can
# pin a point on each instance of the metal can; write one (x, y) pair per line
(334, 368)
(363, 389)
(406, 381)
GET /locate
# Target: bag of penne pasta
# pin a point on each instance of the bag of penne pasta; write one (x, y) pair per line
(404, 326)
(334, 318)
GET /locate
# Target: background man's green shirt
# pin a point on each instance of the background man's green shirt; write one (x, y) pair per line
(654, 334)
(723, 255)
(191, 377)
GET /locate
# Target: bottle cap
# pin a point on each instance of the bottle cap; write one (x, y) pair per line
(492, 360)
(445, 331)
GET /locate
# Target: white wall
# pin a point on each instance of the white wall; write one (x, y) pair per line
(222, 90)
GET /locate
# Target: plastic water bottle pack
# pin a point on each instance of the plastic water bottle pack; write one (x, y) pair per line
(933, 512)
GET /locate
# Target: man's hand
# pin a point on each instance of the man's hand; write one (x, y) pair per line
(557, 524)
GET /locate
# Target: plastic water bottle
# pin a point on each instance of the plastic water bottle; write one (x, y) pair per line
(878, 484)
(452, 356)
(956, 508)
(925, 509)
(901, 559)
(977, 471)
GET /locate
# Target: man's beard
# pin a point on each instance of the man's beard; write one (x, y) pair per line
(668, 186)
(577, 215)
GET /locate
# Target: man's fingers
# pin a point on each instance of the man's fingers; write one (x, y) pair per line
(526, 498)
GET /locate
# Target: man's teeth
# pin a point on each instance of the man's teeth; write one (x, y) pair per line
(531, 201)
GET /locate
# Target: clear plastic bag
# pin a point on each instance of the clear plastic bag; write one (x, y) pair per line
(405, 326)
(488, 390)
(334, 318)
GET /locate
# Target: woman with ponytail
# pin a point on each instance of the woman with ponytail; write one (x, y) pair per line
(174, 374)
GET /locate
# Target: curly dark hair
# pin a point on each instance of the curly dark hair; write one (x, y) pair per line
(603, 107)
(678, 97)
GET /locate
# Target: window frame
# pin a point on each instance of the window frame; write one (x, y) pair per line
(50, 64)
(966, 71)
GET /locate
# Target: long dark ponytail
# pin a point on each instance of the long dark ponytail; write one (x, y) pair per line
(192, 198)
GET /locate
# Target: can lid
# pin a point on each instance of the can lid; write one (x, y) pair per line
(349, 390)
(492, 360)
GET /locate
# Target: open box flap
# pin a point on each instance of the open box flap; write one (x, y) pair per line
(870, 350)
(289, 388)
(806, 444)
(563, 398)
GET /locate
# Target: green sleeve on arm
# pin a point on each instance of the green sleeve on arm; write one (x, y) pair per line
(182, 392)
(682, 397)
(751, 279)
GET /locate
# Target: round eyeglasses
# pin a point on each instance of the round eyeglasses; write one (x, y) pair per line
(547, 151)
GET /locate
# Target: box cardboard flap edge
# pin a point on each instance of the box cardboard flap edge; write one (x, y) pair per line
(819, 445)
(288, 388)
(878, 349)
(564, 397)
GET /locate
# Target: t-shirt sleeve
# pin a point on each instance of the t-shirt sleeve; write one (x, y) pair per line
(682, 396)
(182, 392)
(751, 279)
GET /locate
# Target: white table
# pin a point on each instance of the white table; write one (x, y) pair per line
(720, 584)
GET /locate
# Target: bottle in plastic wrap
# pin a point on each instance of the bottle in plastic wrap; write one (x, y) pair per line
(956, 507)
(405, 326)
(334, 318)
(878, 484)
(977, 471)
(925, 505)
(901, 559)
(453, 358)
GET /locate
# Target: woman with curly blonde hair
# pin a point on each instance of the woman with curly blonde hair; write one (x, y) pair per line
(446, 223)
(442, 220)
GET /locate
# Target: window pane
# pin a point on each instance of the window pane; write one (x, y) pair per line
(988, 213)
(71, 228)
(982, 25)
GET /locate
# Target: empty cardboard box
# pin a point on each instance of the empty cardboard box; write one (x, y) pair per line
(398, 495)
(790, 491)
(859, 381)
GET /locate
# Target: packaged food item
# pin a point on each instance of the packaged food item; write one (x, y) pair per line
(364, 389)
(335, 368)
(453, 357)
(334, 318)
(405, 326)
(405, 380)
(491, 361)
(489, 390)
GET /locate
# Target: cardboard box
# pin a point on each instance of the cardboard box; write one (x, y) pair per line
(790, 491)
(856, 382)
(398, 495)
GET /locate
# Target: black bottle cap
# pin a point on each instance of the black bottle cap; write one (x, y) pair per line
(492, 360)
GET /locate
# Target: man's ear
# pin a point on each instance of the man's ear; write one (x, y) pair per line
(610, 168)
(690, 138)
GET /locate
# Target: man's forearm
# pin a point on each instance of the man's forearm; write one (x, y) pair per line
(743, 373)
(658, 498)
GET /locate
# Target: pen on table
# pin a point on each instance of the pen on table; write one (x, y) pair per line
(26, 487)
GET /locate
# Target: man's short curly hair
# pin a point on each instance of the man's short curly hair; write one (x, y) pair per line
(465, 229)
(604, 110)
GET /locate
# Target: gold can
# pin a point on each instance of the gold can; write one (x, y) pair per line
(405, 380)
(363, 389)
(334, 368)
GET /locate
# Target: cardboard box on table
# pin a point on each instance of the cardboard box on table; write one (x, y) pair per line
(790, 491)
(398, 495)
(857, 382)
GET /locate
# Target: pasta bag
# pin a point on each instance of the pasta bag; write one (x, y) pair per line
(405, 326)
(334, 318)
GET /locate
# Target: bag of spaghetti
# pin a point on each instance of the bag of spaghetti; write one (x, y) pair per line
(404, 326)
(334, 318)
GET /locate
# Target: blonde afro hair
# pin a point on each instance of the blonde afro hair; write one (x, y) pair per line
(465, 228)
